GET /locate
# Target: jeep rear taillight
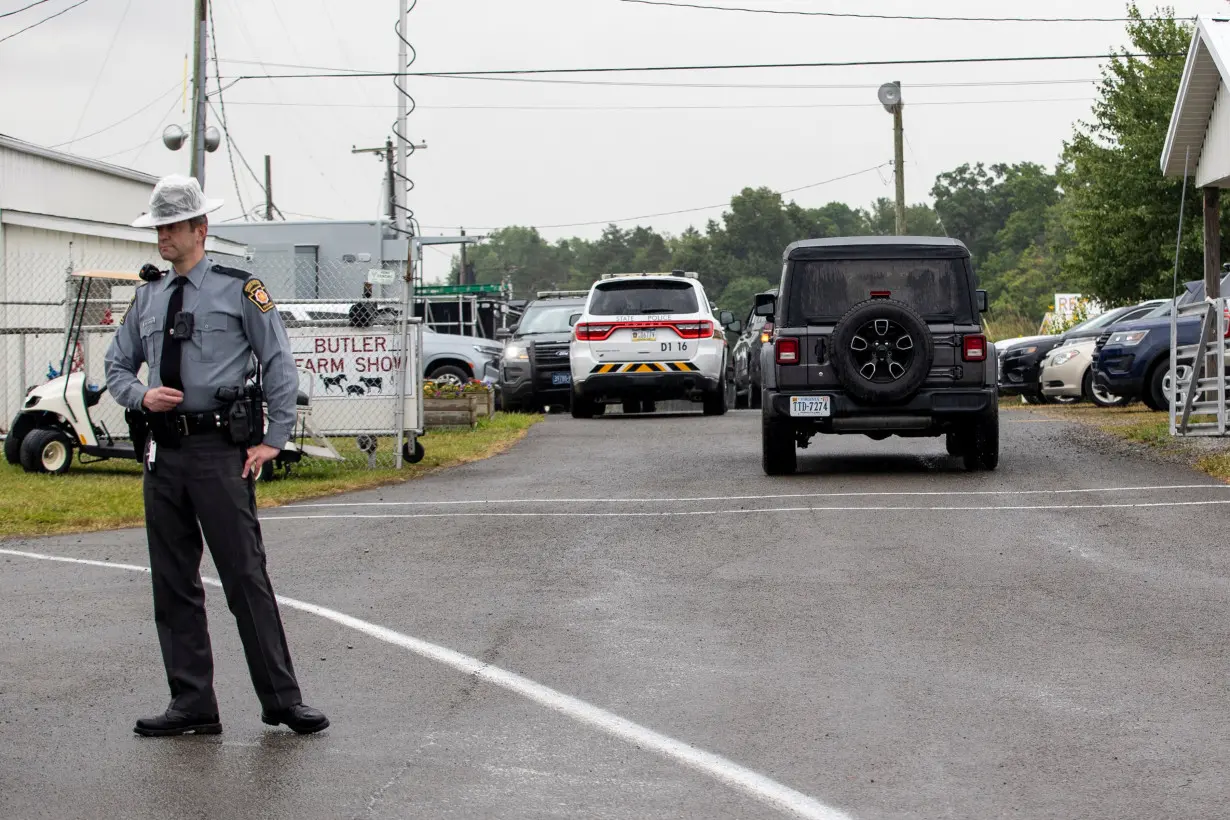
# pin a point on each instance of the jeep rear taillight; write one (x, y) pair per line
(787, 351)
(974, 348)
(594, 332)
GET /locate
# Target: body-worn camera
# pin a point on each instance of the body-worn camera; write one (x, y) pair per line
(245, 414)
(182, 325)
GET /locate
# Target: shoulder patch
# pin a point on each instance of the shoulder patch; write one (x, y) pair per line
(257, 295)
(235, 272)
(128, 310)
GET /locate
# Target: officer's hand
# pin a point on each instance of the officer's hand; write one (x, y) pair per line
(162, 399)
(257, 456)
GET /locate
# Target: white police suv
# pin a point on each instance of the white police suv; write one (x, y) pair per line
(643, 338)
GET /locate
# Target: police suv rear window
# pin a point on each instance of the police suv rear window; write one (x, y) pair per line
(637, 298)
(822, 291)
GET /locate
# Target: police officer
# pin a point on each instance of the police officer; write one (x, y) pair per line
(197, 328)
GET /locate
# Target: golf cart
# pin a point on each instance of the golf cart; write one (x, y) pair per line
(55, 419)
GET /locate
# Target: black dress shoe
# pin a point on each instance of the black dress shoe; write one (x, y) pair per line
(303, 719)
(174, 722)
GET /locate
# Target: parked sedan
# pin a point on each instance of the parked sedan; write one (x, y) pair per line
(1021, 365)
(1132, 359)
(1067, 373)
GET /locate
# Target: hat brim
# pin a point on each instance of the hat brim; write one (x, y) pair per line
(151, 221)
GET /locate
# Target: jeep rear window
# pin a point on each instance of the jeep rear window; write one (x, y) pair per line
(639, 298)
(822, 291)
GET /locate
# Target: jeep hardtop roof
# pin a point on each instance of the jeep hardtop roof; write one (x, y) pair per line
(864, 247)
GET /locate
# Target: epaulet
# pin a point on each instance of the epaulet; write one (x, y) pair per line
(235, 272)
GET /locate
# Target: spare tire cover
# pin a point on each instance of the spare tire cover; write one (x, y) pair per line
(882, 351)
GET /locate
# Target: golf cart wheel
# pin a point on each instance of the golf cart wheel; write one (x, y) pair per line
(47, 451)
(412, 455)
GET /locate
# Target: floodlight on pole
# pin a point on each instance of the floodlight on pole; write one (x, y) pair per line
(891, 98)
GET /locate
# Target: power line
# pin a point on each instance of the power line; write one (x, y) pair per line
(666, 107)
(23, 8)
(628, 83)
(151, 138)
(867, 16)
(230, 160)
(118, 123)
(44, 20)
(101, 69)
(227, 136)
(708, 67)
(709, 207)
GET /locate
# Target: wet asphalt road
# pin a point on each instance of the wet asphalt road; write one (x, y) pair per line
(845, 633)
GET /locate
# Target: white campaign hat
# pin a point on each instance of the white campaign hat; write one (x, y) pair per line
(176, 199)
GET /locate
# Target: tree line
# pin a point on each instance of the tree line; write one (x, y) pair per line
(1102, 222)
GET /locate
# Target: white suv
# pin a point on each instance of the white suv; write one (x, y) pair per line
(642, 338)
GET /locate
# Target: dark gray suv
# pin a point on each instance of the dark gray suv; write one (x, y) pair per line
(880, 336)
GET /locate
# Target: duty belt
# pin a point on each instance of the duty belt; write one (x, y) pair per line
(194, 424)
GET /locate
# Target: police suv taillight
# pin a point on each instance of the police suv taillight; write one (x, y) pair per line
(787, 351)
(694, 330)
(974, 348)
(593, 331)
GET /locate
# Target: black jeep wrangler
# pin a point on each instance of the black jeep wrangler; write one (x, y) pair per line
(880, 336)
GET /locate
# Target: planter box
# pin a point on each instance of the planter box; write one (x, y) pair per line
(464, 411)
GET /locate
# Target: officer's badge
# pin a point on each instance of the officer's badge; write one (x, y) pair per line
(257, 295)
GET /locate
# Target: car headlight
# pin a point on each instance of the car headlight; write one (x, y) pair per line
(513, 352)
(1127, 338)
(1064, 356)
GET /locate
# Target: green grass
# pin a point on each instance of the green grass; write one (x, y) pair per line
(1139, 424)
(1008, 326)
(107, 495)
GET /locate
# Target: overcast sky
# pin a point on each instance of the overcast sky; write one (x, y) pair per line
(570, 153)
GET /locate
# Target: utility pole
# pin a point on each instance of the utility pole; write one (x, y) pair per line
(199, 52)
(389, 157)
(891, 99)
(399, 191)
(268, 190)
(899, 166)
(464, 279)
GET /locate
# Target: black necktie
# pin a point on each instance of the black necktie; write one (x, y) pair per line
(169, 370)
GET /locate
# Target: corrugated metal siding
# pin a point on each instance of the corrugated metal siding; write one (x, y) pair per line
(1214, 164)
(41, 185)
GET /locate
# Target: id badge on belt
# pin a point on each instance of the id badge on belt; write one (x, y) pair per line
(151, 454)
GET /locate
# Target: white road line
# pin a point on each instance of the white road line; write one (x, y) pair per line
(751, 497)
(685, 513)
(757, 786)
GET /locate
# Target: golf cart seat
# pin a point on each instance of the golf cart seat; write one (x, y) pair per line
(302, 400)
(93, 396)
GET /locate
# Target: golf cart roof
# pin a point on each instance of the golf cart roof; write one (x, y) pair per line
(107, 274)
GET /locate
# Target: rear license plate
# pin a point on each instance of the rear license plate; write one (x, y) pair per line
(561, 378)
(811, 406)
(644, 335)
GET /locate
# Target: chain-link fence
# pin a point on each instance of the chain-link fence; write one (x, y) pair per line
(348, 327)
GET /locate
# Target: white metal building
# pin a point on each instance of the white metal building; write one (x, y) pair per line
(58, 213)
(1199, 134)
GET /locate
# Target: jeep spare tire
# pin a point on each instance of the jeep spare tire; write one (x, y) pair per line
(882, 351)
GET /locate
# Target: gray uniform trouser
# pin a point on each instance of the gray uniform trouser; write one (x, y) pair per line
(200, 482)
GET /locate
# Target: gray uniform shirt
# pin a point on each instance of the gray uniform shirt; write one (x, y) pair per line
(234, 319)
